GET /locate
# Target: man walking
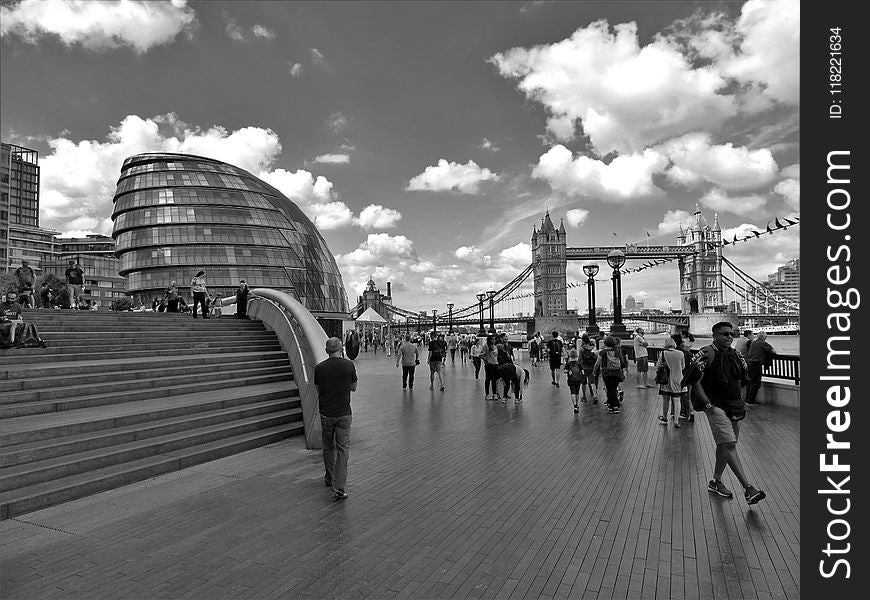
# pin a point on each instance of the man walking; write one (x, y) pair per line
(335, 378)
(760, 354)
(641, 358)
(75, 281)
(716, 375)
(408, 355)
(26, 279)
(200, 293)
(554, 347)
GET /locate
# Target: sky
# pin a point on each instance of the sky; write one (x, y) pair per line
(427, 139)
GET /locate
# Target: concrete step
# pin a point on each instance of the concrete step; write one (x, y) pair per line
(192, 343)
(18, 371)
(89, 400)
(121, 383)
(18, 356)
(45, 449)
(97, 339)
(13, 478)
(31, 498)
(128, 372)
(32, 428)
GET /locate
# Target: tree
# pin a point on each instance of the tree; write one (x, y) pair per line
(8, 283)
(58, 291)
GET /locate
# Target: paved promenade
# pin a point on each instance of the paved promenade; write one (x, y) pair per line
(450, 497)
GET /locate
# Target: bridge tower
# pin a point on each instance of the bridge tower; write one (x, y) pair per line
(701, 273)
(551, 284)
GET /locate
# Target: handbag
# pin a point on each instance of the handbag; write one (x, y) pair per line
(663, 374)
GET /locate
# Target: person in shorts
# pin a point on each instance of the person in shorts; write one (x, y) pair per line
(588, 356)
(75, 282)
(554, 349)
(716, 375)
(575, 378)
(641, 357)
(436, 361)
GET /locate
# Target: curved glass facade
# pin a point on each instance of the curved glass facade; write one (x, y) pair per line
(175, 214)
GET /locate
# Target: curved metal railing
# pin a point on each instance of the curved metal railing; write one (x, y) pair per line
(304, 341)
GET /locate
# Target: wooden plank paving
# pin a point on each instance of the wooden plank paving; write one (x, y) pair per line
(450, 497)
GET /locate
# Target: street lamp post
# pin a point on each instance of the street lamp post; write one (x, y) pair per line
(480, 298)
(616, 259)
(434, 324)
(491, 294)
(450, 317)
(420, 321)
(591, 270)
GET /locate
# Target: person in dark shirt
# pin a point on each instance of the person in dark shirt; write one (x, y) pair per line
(554, 348)
(26, 278)
(437, 351)
(759, 355)
(716, 374)
(75, 281)
(10, 317)
(335, 378)
(242, 300)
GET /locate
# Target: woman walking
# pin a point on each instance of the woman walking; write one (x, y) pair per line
(671, 361)
(477, 352)
(170, 297)
(611, 365)
(490, 368)
(200, 291)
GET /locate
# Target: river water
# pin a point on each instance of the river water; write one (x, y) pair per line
(783, 344)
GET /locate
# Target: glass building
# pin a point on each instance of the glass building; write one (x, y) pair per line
(176, 214)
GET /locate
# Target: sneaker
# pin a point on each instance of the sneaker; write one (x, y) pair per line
(595, 401)
(753, 496)
(677, 424)
(717, 487)
(442, 388)
(583, 399)
(663, 420)
(576, 408)
(431, 387)
(339, 494)
(615, 411)
(557, 384)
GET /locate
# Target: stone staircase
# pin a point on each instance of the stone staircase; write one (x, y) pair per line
(121, 397)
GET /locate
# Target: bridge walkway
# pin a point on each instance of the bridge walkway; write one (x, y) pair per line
(450, 497)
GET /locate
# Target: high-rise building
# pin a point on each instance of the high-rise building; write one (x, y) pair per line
(21, 238)
(786, 282)
(630, 303)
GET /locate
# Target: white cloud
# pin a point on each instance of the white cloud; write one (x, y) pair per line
(696, 159)
(375, 216)
(337, 121)
(716, 199)
(379, 248)
(790, 189)
(672, 221)
(488, 145)
(576, 217)
(768, 54)
(517, 256)
(332, 159)
(261, 31)
(626, 179)
(447, 176)
(233, 29)
(313, 195)
(316, 56)
(473, 255)
(295, 69)
(627, 97)
(98, 26)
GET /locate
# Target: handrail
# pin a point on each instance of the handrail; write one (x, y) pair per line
(784, 366)
(304, 341)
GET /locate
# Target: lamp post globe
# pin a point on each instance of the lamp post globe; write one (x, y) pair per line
(491, 294)
(616, 259)
(591, 270)
(480, 298)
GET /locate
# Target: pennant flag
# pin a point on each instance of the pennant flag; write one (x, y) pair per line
(647, 234)
(777, 223)
(790, 222)
(614, 234)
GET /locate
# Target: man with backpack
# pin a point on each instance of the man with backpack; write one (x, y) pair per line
(554, 348)
(611, 365)
(716, 375)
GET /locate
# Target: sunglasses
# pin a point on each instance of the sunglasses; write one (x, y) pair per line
(726, 333)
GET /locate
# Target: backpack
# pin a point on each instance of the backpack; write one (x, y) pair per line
(575, 373)
(588, 358)
(612, 364)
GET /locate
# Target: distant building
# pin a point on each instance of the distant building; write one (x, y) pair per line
(630, 303)
(786, 282)
(373, 298)
(96, 256)
(701, 272)
(550, 277)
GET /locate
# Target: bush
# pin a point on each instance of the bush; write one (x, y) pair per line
(58, 291)
(8, 283)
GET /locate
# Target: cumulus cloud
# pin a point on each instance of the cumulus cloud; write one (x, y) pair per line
(517, 256)
(98, 26)
(332, 159)
(626, 96)
(718, 200)
(488, 145)
(261, 31)
(576, 217)
(790, 188)
(626, 179)
(451, 176)
(672, 220)
(337, 121)
(295, 69)
(375, 216)
(473, 255)
(695, 159)
(314, 195)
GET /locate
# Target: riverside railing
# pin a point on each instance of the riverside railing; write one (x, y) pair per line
(304, 341)
(784, 366)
